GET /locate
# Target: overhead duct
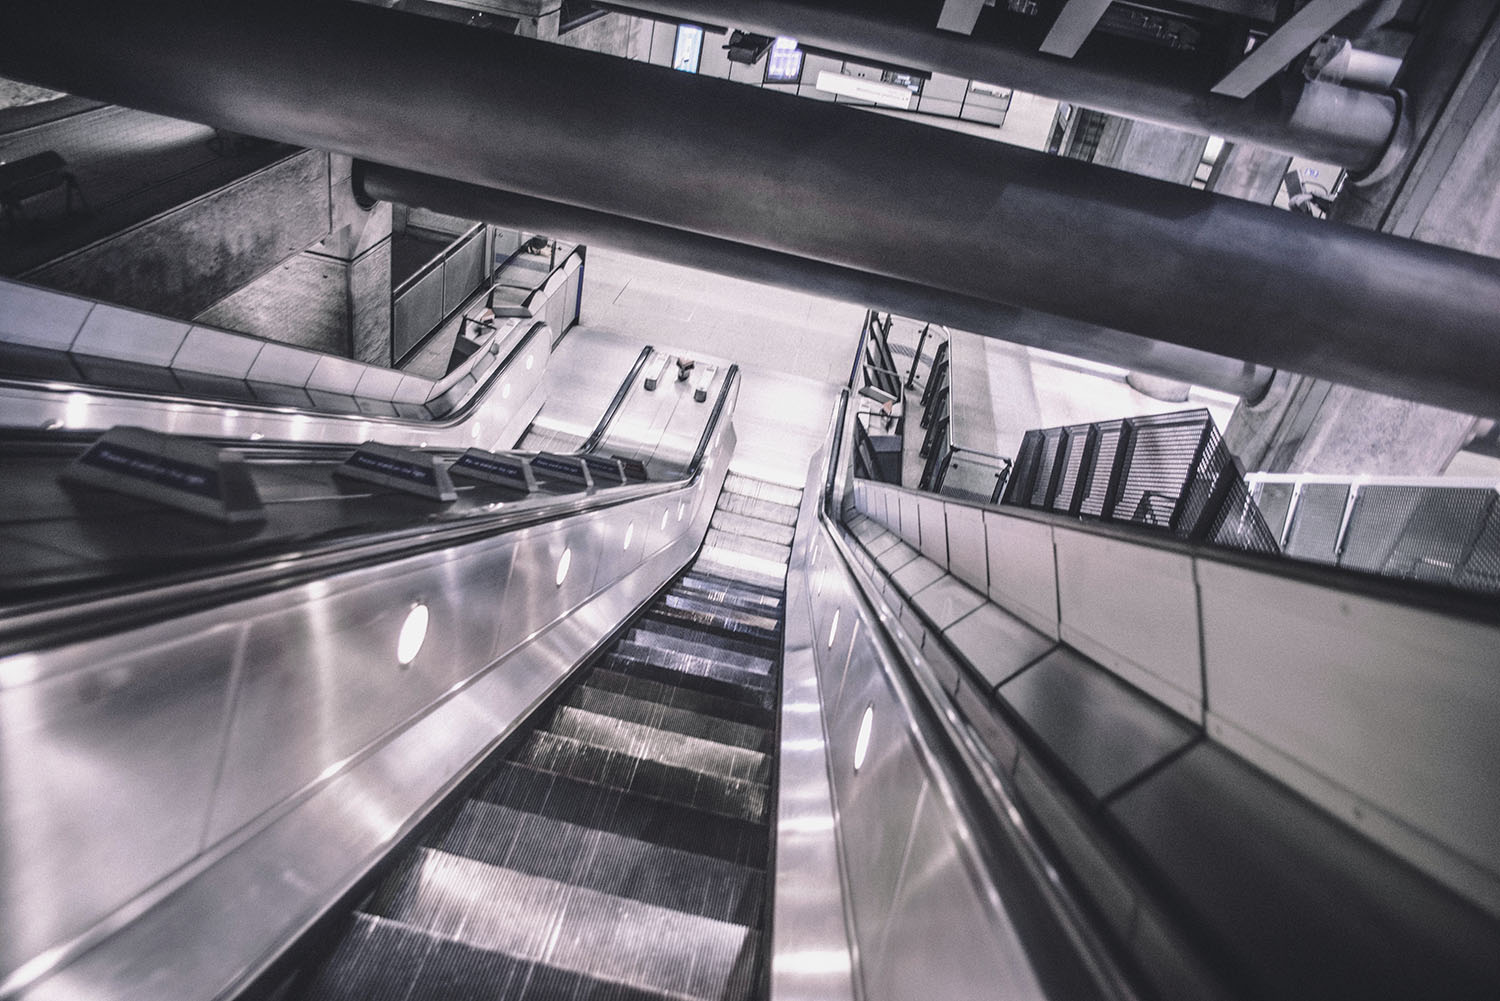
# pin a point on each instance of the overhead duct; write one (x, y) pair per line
(938, 209)
(374, 182)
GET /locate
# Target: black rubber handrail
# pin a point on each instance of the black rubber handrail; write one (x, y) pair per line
(597, 435)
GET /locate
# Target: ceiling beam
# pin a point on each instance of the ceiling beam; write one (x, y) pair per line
(1288, 42)
(1072, 26)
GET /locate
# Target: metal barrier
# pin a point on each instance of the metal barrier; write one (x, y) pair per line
(1170, 472)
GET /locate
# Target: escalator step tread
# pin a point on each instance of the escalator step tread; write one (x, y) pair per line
(755, 528)
(663, 717)
(737, 483)
(384, 960)
(715, 624)
(663, 747)
(568, 927)
(628, 814)
(554, 752)
(700, 577)
(603, 861)
(763, 510)
(747, 545)
(694, 602)
(750, 601)
(740, 568)
(678, 697)
(750, 658)
(692, 673)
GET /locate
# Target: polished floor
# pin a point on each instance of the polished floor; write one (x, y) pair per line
(794, 351)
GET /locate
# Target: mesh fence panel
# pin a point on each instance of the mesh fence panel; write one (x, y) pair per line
(1481, 571)
(1071, 460)
(1316, 521)
(1274, 501)
(1163, 450)
(1440, 534)
(1380, 515)
(1045, 467)
(1023, 474)
(1109, 434)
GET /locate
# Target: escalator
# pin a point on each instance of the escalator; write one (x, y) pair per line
(620, 848)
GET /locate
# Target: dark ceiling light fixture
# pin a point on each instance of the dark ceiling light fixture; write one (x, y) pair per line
(746, 48)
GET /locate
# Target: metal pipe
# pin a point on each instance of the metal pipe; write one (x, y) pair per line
(376, 182)
(933, 208)
(1122, 79)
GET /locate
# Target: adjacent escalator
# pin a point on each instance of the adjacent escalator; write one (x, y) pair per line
(620, 849)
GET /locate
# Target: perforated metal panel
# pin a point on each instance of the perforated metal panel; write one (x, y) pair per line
(1046, 467)
(1316, 521)
(1099, 470)
(1163, 449)
(1074, 448)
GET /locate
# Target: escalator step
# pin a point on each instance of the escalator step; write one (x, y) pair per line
(715, 623)
(746, 545)
(755, 528)
(745, 800)
(628, 814)
(570, 928)
(740, 568)
(752, 508)
(678, 697)
(683, 721)
(735, 483)
(661, 746)
(692, 601)
(701, 577)
(603, 861)
(385, 960)
(672, 668)
(733, 597)
(745, 655)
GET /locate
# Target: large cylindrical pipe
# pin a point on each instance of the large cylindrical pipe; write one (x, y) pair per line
(1121, 79)
(1042, 330)
(935, 208)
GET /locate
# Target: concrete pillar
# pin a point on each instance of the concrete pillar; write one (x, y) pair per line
(1309, 425)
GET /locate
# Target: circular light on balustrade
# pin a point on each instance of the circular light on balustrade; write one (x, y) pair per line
(475, 431)
(530, 360)
(862, 742)
(664, 519)
(563, 565)
(413, 633)
(505, 391)
(833, 630)
(680, 509)
(629, 534)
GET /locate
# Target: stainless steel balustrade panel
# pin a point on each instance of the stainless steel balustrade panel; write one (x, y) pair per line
(996, 643)
(1134, 609)
(206, 936)
(1382, 714)
(968, 555)
(934, 530)
(909, 528)
(1022, 569)
(941, 938)
(877, 804)
(946, 600)
(107, 760)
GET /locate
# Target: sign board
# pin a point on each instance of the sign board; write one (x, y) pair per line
(561, 469)
(888, 95)
(605, 472)
(408, 470)
(182, 473)
(512, 471)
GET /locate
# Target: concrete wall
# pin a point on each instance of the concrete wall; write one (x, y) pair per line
(184, 260)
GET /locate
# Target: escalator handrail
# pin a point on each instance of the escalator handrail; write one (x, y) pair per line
(454, 418)
(714, 415)
(128, 604)
(597, 435)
